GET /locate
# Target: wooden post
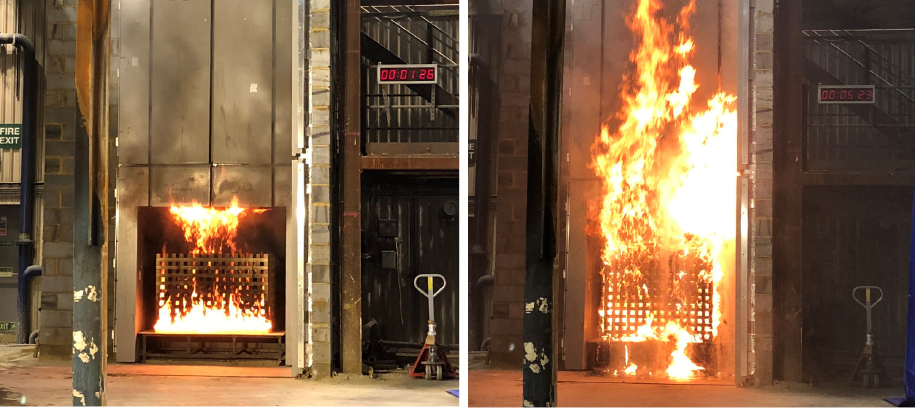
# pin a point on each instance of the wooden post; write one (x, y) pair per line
(90, 229)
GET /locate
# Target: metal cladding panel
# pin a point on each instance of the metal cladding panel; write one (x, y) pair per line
(243, 82)
(180, 80)
(283, 99)
(252, 186)
(282, 187)
(180, 185)
(133, 111)
(133, 192)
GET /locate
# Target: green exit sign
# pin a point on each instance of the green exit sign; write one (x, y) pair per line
(7, 326)
(11, 136)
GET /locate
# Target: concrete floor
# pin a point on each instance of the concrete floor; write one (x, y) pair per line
(22, 377)
(502, 388)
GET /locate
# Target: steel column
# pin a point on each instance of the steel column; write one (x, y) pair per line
(90, 229)
(539, 371)
(787, 194)
(350, 164)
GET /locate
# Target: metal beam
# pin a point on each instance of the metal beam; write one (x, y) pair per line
(787, 259)
(539, 370)
(350, 187)
(409, 163)
(408, 2)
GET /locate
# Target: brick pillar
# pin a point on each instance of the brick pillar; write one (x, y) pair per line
(761, 193)
(56, 336)
(508, 293)
(318, 248)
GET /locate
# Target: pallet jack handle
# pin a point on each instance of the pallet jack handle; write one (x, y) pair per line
(430, 294)
(868, 305)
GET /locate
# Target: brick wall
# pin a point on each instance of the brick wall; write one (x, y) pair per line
(56, 336)
(508, 293)
(761, 193)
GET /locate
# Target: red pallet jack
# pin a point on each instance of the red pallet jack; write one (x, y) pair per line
(870, 368)
(431, 362)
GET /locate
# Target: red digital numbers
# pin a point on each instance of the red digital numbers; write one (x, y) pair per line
(410, 75)
(847, 94)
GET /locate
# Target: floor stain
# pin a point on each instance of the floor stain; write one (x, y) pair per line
(7, 398)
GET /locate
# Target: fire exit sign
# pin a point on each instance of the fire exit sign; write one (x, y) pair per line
(10, 136)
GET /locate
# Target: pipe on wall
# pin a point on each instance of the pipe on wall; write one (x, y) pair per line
(27, 177)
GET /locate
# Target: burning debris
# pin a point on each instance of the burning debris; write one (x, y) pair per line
(667, 213)
(213, 288)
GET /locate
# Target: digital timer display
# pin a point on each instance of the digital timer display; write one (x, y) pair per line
(846, 94)
(407, 74)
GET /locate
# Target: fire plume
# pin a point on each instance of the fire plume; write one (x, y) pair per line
(667, 211)
(220, 307)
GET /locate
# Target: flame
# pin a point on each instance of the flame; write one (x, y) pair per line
(211, 232)
(681, 367)
(668, 195)
(227, 318)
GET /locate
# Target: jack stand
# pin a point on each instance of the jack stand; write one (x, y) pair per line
(870, 368)
(431, 362)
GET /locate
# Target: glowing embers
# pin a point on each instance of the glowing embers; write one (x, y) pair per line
(666, 215)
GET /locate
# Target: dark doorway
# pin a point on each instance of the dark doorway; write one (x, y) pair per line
(409, 227)
(854, 236)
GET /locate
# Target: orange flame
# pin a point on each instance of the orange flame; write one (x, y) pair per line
(667, 174)
(212, 232)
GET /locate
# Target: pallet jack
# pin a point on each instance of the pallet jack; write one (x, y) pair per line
(431, 362)
(870, 368)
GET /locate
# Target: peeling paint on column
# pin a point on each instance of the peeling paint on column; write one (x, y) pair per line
(93, 295)
(542, 305)
(535, 360)
(80, 346)
(90, 292)
(82, 398)
(79, 341)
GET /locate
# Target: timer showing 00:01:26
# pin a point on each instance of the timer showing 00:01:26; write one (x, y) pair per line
(407, 75)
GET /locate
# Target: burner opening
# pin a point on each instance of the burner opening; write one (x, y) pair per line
(213, 274)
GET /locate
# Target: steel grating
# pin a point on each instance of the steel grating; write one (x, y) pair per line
(685, 297)
(213, 279)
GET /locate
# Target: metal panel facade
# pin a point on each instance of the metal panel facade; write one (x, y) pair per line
(242, 82)
(180, 81)
(179, 185)
(178, 56)
(133, 116)
(251, 185)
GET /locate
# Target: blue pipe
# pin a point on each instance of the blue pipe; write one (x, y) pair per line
(27, 175)
(25, 281)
